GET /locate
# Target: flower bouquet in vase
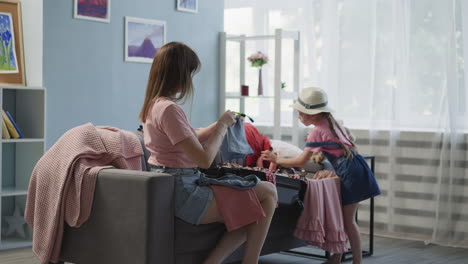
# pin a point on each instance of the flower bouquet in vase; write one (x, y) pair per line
(258, 60)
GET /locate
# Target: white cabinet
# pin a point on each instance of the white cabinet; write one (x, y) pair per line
(274, 103)
(18, 158)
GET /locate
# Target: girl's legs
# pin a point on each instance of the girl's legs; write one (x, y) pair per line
(254, 233)
(352, 230)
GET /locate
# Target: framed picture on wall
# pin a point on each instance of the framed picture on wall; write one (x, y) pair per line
(187, 5)
(11, 40)
(143, 38)
(96, 10)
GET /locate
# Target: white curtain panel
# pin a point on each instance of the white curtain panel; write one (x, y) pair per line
(394, 71)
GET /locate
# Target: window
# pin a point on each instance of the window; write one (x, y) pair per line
(383, 63)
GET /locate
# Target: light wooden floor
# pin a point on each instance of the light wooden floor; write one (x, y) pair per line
(386, 251)
(389, 251)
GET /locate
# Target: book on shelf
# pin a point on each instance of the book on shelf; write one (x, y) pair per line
(14, 124)
(10, 124)
(5, 133)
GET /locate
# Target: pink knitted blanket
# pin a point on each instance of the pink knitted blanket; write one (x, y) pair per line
(321, 221)
(61, 188)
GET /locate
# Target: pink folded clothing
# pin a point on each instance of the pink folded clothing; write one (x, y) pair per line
(238, 207)
(321, 222)
(61, 188)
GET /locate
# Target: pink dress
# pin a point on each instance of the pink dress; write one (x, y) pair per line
(321, 221)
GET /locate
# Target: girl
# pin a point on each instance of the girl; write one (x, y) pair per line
(175, 149)
(357, 181)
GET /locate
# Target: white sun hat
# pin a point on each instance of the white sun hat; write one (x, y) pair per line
(312, 101)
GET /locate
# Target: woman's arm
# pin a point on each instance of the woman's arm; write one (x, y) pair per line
(299, 161)
(203, 133)
(203, 156)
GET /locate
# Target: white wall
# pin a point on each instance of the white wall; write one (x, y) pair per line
(32, 40)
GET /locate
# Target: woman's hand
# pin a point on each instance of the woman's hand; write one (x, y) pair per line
(227, 118)
(269, 156)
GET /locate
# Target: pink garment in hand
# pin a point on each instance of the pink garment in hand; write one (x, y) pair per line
(321, 222)
(238, 207)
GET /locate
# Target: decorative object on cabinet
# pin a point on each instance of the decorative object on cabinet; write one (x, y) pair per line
(244, 90)
(97, 10)
(257, 60)
(11, 55)
(229, 95)
(260, 83)
(15, 224)
(26, 106)
(187, 6)
(143, 38)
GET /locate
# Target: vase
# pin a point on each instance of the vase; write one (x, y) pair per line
(260, 84)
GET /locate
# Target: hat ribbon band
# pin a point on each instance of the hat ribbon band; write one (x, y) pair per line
(308, 106)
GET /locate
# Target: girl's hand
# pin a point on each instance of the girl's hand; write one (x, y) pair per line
(269, 156)
(324, 174)
(294, 176)
(317, 157)
(228, 118)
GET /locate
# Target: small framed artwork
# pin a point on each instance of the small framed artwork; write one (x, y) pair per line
(143, 38)
(187, 5)
(11, 41)
(96, 10)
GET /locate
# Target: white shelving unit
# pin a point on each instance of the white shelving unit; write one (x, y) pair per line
(27, 105)
(278, 38)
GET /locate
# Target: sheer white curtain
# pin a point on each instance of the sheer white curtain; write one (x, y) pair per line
(394, 72)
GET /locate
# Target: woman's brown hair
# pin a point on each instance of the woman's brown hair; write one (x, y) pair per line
(332, 124)
(171, 73)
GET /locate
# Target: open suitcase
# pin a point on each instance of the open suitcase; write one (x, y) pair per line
(290, 191)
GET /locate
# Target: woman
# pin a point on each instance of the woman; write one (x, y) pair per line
(175, 148)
